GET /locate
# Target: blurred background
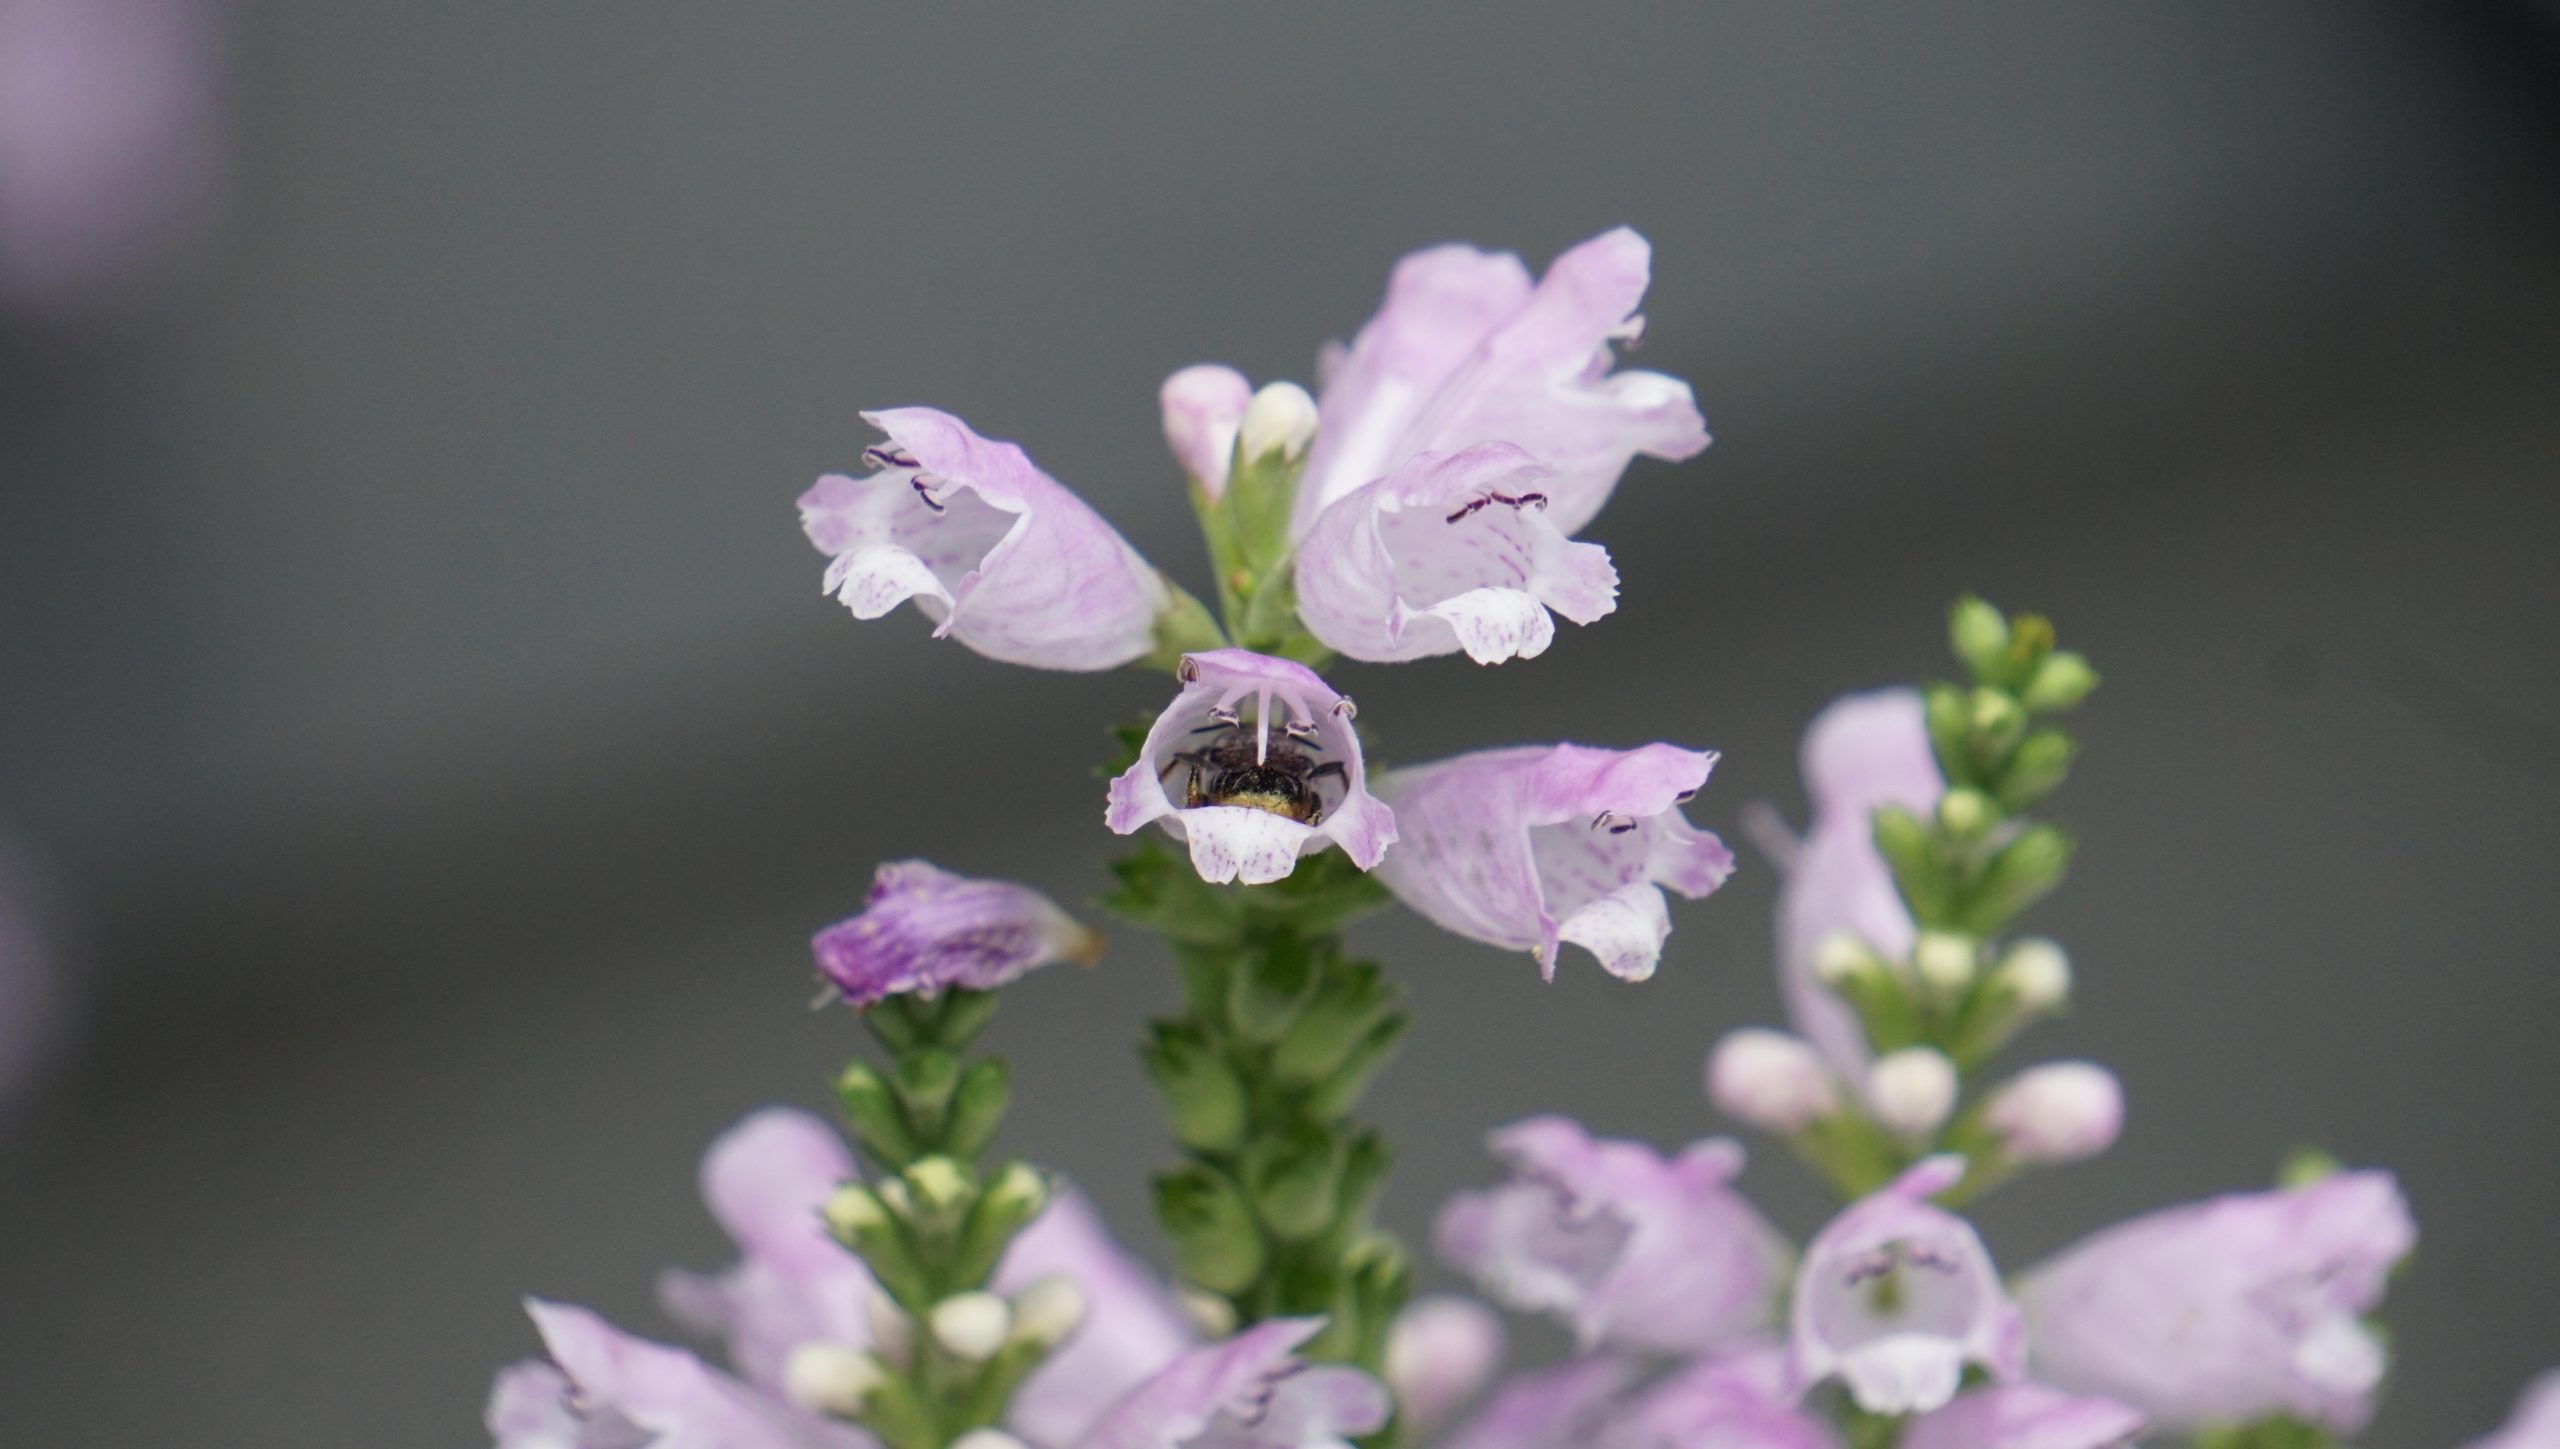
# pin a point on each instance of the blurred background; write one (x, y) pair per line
(424, 750)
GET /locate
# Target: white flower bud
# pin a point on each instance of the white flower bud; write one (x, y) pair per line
(1280, 419)
(1912, 1091)
(829, 1378)
(892, 1334)
(1214, 1316)
(1945, 962)
(1769, 1080)
(2058, 1112)
(972, 1325)
(1047, 1311)
(988, 1439)
(1841, 956)
(2035, 974)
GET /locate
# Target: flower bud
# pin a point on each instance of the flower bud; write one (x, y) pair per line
(1911, 1091)
(829, 1378)
(1945, 962)
(1997, 721)
(1770, 1080)
(977, 1108)
(1440, 1350)
(1214, 1316)
(1202, 1093)
(2020, 875)
(988, 1439)
(1047, 1311)
(1293, 1179)
(892, 1332)
(1011, 1199)
(2058, 1112)
(872, 1109)
(2063, 680)
(1215, 1238)
(1840, 957)
(1280, 419)
(939, 1186)
(1966, 813)
(1979, 636)
(971, 1325)
(854, 1211)
(2035, 975)
(2041, 762)
(1203, 407)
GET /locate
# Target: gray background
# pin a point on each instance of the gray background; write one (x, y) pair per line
(413, 673)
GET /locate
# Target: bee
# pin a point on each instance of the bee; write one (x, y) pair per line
(1225, 771)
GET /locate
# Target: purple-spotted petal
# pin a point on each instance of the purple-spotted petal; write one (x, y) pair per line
(1249, 1392)
(1738, 1401)
(925, 930)
(1533, 847)
(1203, 408)
(1131, 1326)
(1863, 751)
(996, 552)
(611, 1390)
(2229, 1309)
(1289, 721)
(1628, 1248)
(1450, 552)
(1561, 1405)
(1465, 350)
(2024, 1416)
(1896, 1296)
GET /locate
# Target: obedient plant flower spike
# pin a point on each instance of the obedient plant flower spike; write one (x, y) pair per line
(999, 554)
(1531, 848)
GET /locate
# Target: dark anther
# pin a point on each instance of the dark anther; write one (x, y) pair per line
(924, 491)
(1623, 826)
(1685, 796)
(1470, 506)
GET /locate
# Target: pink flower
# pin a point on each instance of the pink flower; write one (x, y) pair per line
(2023, 1416)
(2228, 1309)
(1738, 1401)
(1450, 551)
(1255, 796)
(925, 930)
(1628, 1248)
(1532, 847)
(1249, 1392)
(1863, 751)
(1131, 1329)
(1562, 1405)
(2536, 1421)
(1440, 1350)
(604, 1389)
(1465, 350)
(1001, 556)
(1896, 1296)
(1203, 408)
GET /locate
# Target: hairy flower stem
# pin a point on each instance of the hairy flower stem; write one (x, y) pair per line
(1282, 1032)
(933, 1226)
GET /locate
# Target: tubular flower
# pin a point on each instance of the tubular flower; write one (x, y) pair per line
(2023, 1416)
(1863, 751)
(1466, 350)
(925, 930)
(1561, 1405)
(1203, 409)
(999, 554)
(1896, 1297)
(1532, 847)
(1629, 1249)
(1131, 1327)
(1255, 795)
(1738, 1401)
(2228, 1309)
(1450, 551)
(1249, 1392)
(604, 1389)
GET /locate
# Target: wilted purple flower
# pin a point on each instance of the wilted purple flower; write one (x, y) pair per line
(610, 1390)
(1561, 1405)
(1249, 1392)
(2536, 1421)
(2023, 1416)
(1440, 1350)
(1130, 1331)
(1532, 847)
(1450, 551)
(2228, 1309)
(1203, 408)
(1738, 1401)
(1896, 1296)
(1628, 1248)
(111, 148)
(1861, 752)
(925, 930)
(1255, 796)
(996, 552)
(1465, 350)
(2058, 1112)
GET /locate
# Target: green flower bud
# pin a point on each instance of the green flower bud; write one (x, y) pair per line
(1979, 637)
(2039, 764)
(1215, 1239)
(1266, 995)
(926, 1078)
(1381, 1283)
(1202, 1093)
(1338, 1093)
(940, 1189)
(1918, 869)
(2304, 1166)
(1294, 1178)
(1011, 1199)
(872, 1110)
(1997, 724)
(1945, 963)
(2060, 682)
(1354, 998)
(862, 1221)
(977, 1107)
(1950, 732)
(964, 1015)
(2020, 875)
(1364, 1171)
(1966, 814)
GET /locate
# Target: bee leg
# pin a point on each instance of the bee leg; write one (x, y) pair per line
(1191, 797)
(1335, 768)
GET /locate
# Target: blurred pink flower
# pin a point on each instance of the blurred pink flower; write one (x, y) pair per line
(605, 1389)
(1248, 1392)
(1738, 1401)
(2023, 1416)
